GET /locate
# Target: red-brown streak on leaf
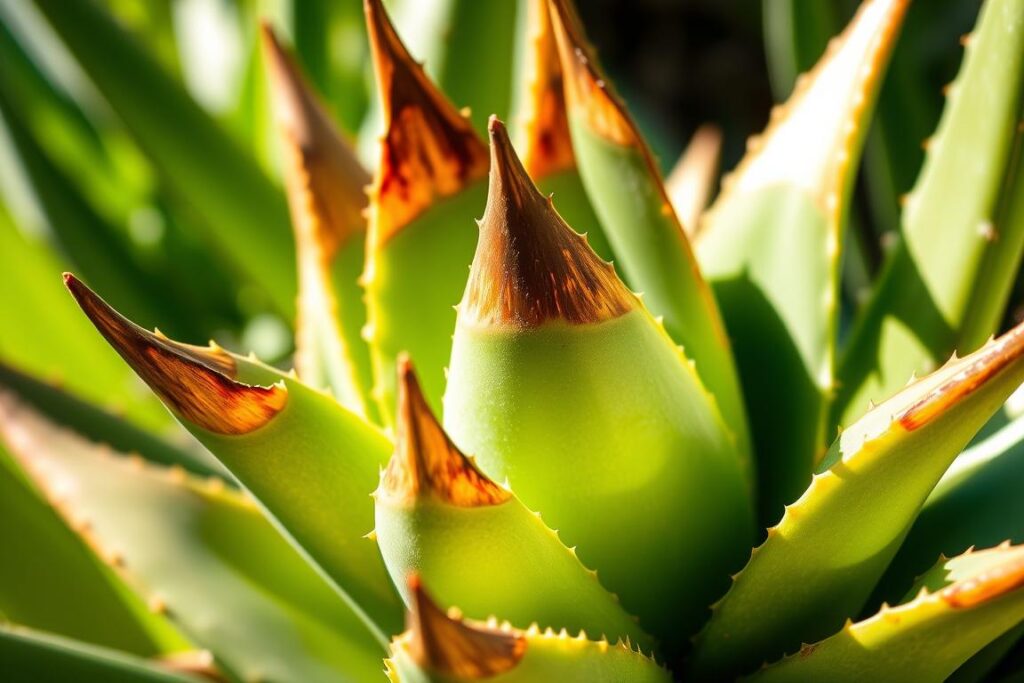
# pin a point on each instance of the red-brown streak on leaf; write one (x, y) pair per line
(425, 459)
(547, 144)
(977, 369)
(196, 382)
(429, 149)
(450, 647)
(985, 587)
(530, 266)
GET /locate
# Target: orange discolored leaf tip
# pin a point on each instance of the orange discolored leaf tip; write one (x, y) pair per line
(987, 586)
(964, 376)
(325, 182)
(429, 149)
(590, 95)
(445, 644)
(530, 266)
(547, 145)
(196, 382)
(426, 462)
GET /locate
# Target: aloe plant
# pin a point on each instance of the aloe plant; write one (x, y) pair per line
(586, 438)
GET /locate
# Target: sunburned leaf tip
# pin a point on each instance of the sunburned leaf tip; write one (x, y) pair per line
(429, 149)
(530, 266)
(425, 459)
(196, 382)
(325, 182)
(447, 645)
(987, 586)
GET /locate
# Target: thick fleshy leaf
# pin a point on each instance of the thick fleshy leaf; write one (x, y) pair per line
(310, 463)
(246, 215)
(445, 648)
(652, 251)
(39, 343)
(326, 193)
(50, 580)
(428, 190)
(964, 604)
(944, 285)
(693, 178)
(819, 564)
(28, 656)
(199, 553)
(771, 247)
(475, 543)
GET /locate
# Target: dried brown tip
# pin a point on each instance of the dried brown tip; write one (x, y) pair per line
(196, 382)
(426, 462)
(547, 146)
(530, 266)
(325, 182)
(429, 149)
(987, 586)
(451, 647)
(589, 93)
(965, 376)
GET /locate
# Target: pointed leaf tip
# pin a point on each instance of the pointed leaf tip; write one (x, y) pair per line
(429, 149)
(195, 382)
(529, 265)
(452, 647)
(425, 459)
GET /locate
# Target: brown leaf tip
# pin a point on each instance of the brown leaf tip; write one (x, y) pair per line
(987, 586)
(447, 645)
(589, 93)
(429, 149)
(426, 462)
(971, 373)
(196, 382)
(530, 266)
(325, 182)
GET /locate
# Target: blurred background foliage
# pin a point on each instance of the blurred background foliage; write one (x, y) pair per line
(148, 164)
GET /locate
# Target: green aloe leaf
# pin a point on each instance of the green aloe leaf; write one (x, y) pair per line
(38, 343)
(28, 656)
(944, 285)
(245, 213)
(475, 543)
(310, 463)
(326, 192)
(964, 604)
(786, 203)
(200, 553)
(652, 251)
(694, 177)
(427, 192)
(50, 580)
(441, 648)
(820, 563)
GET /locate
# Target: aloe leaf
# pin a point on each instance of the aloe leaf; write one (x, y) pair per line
(785, 204)
(476, 544)
(933, 295)
(561, 382)
(310, 463)
(980, 665)
(50, 580)
(694, 177)
(325, 185)
(965, 604)
(796, 33)
(976, 503)
(441, 648)
(184, 543)
(246, 214)
(38, 343)
(28, 656)
(818, 566)
(427, 191)
(652, 251)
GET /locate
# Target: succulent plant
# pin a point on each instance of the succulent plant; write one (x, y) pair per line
(538, 447)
